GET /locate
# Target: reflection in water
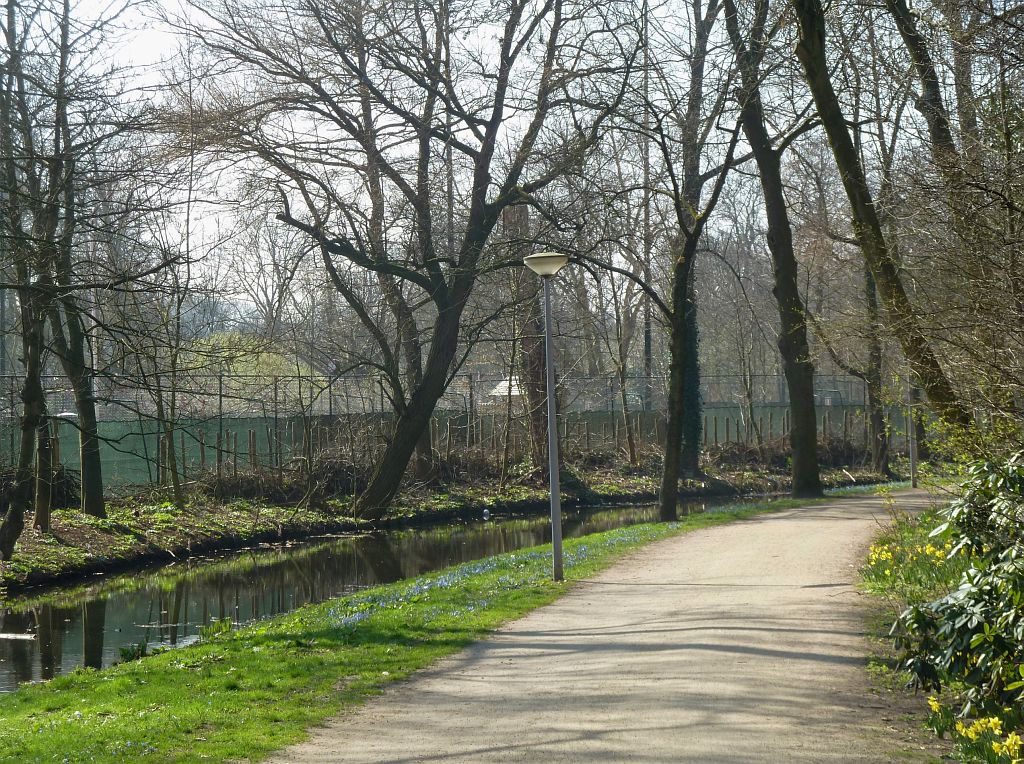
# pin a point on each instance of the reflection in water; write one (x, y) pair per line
(94, 618)
(49, 641)
(168, 606)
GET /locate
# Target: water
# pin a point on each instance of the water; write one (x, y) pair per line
(88, 626)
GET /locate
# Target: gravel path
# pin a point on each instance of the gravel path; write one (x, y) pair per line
(741, 643)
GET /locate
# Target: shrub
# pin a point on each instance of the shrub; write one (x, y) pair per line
(974, 636)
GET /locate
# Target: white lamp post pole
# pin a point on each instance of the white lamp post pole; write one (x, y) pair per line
(546, 265)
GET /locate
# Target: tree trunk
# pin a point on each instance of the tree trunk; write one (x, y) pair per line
(920, 431)
(877, 430)
(410, 425)
(18, 495)
(532, 388)
(166, 416)
(902, 319)
(93, 502)
(691, 413)
(877, 425)
(71, 350)
(94, 621)
(794, 348)
(44, 477)
(680, 338)
(669, 496)
(624, 402)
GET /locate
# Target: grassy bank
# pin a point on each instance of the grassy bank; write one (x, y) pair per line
(241, 694)
(909, 565)
(143, 530)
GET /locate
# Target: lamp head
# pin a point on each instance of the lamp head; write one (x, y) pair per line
(546, 264)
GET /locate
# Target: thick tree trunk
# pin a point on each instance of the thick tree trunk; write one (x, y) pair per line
(929, 101)
(902, 319)
(18, 496)
(679, 365)
(691, 413)
(93, 502)
(410, 425)
(71, 350)
(669, 496)
(793, 345)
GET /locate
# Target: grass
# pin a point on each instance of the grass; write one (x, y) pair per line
(242, 694)
(907, 565)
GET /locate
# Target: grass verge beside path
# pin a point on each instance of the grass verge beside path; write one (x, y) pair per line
(905, 565)
(243, 694)
(908, 565)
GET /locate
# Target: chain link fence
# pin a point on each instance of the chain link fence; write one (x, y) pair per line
(232, 422)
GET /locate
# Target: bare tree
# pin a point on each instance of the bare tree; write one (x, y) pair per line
(903, 320)
(767, 151)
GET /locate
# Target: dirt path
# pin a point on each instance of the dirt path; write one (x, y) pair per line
(741, 643)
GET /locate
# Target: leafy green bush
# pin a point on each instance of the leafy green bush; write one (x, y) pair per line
(134, 652)
(974, 636)
(215, 629)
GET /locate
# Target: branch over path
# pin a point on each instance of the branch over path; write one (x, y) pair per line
(740, 643)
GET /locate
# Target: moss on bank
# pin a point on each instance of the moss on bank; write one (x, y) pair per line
(139, 531)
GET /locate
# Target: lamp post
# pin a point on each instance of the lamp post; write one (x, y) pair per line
(546, 265)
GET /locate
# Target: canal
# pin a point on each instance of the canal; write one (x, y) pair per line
(58, 630)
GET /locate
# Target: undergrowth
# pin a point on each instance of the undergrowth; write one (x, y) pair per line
(951, 577)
